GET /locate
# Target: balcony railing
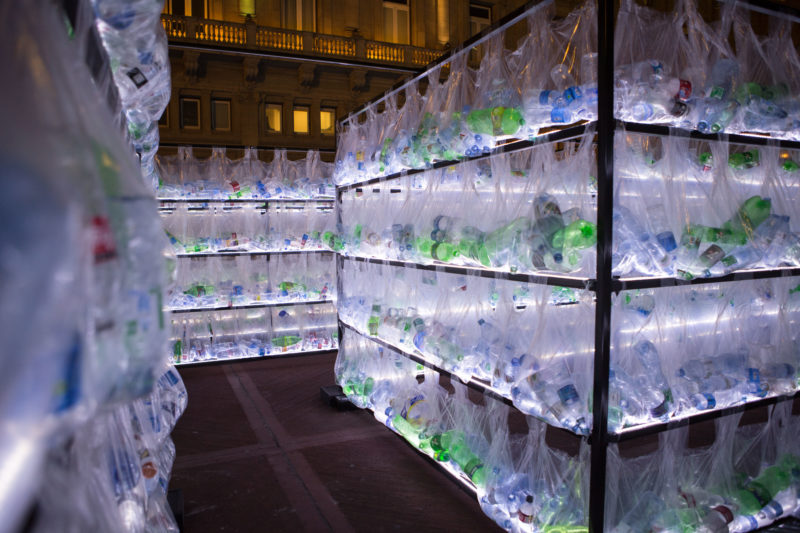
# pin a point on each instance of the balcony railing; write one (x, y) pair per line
(250, 36)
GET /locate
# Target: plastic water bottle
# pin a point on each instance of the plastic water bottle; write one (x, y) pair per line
(724, 74)
(645, 512)
(651, 363)
(638, 302)
(554, 388)
(642, 246)
(657, 217)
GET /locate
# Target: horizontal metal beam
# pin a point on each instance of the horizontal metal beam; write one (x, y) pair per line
(258, 305)
(254, 359)
(651, 429)
(734, 138)
(741, 275)
(541, 279)
(565, 134)
(472, 383)
(274, 252)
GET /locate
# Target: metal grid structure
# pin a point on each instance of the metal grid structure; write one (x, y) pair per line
(604, 284)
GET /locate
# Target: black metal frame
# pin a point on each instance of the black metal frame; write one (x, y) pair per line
(275, 252)
(259, 305)
(253, 359)
(603, 284)
(241, 200)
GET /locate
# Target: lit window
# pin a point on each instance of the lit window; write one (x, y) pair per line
(247, 7)
(443, 21)
(272, 116)
(300, 117)
(221, 115)
(189, 8)
(327, 119)
(299, 15)
(190, 113)
(395, 21)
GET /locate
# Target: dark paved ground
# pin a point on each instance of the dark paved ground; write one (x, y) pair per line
(259, 451)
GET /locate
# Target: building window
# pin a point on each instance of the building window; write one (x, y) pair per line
(327, 121)
(443, 21)
(480, 17)
(190, 113)
(272, 118)
(221, 115)
(187, 8)
(163, 120)
(247, 8)
(300, 15)
(300, 117)
(395, 21)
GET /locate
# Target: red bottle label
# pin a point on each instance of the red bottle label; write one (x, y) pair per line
(685, 90)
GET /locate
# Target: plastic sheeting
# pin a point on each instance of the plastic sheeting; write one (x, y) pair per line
(218, 177)
(240, 333)
(84, 276)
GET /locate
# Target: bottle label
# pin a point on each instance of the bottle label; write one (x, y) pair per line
(568, 395)
(716, 92)
(137, 77)
(685, 90)
(775, 508)
(525, 518)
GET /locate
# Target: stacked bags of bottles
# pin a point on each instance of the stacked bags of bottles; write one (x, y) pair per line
(136, 43)
(675, 68)
(182, 176)
(221, 282)
(522, 480)
(83, 277)
(258, 332)
(678, 351)
(120, 462)
(733, 474)
(688, 209)
(538, 213)
(471, 111)
(205, 228)
(527, 342)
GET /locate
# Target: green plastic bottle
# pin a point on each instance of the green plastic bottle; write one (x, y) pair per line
(749, 216)
(496, 121)
(355, 387)
(744, 160)
(565, 529)
(374, 320)
(746, 91)
(177, 350)
(576, 236)
(706, 161)
(480, 121)
(200, 289)
(285, 341)
(452, 442)
(444, 251)
(500, 245)
(758, 492)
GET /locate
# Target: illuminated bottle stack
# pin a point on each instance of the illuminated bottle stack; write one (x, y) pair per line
(614, 276)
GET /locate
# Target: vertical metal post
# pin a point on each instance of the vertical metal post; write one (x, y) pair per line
(337, 206)
(605, 209)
